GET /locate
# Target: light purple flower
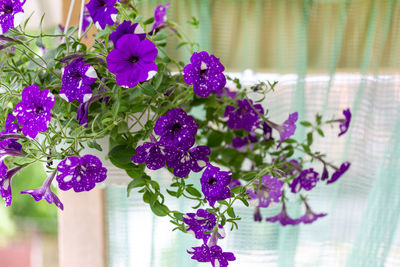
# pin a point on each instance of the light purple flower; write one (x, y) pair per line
(307, 180)
(76, 81)
(11, 14)
(177, 129)
(5, 181)
(244, 117)
(234, 183)
(310, 216)
(287, 129)
(269, 191)
(194, 159)
(345, 123)
(214, 184)
(33, 112)
(154, 154)
(127, 27)
(200, 222)
(160, 17)
(212, 254)
(132, 60)
(83, 110)
(45, 192)
(81, 174)
(205, 73)
(226, 92)
(339, 172)
(102, 12)
(283, 218)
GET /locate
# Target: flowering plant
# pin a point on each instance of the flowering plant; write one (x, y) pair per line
(59, 100)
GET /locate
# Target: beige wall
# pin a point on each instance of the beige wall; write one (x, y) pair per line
(52, 9)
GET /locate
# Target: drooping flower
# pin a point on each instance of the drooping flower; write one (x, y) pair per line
(287, 129)
(194, 159)
(205, 73)
(226, 92)
(345, 123)
(81, 174)
(267, 132)
(154, 154)
(45, 192)
(11, 14)
(5, 181)
(213, 254)
(102, 12)
(325, 174)
(269, 191)
(177, 129)
(307, 180)
(257, 215)
(200, 222)
(160, 17)
(132, 60)
(291, 167)
(244, 117)
(83, 110)
(339, 172)
(214, 184)
(33, 112)
(240, 143)
(127, 27)
(76, 81)
(310, 216)
(283, 218)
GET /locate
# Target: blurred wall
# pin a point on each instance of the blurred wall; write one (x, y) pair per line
(51, 8)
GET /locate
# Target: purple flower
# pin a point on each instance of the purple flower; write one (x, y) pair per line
(9, 135)
(45, 192)
(10, 126)
(234, 183)
(132, 60)
(267, 132)
(307, 180)
(102, 12)
(339, 172)
(344, 123)
(200, 222)
(244, 117)
(76, 81)
(153, 154)
(287, 129)
(33, 112)
(160, 16)
(5, 181)
(291, 167)
(212, 254)
(226, 92)
(85, 20)
(283, 217)
(177, 129)
(269, 191)
(205, 73)
(310, 216)
(325, 174)
(11, 14)
(214, 184)
(239, 142)
(83, 110)
(81, 174)
(127, 27)
(194, 159)
(257, 215)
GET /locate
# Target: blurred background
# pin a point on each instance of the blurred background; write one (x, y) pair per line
(327, 55)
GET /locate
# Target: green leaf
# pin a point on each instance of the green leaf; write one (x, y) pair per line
(320, 132)
(138, 108)
(231, 212)
(215, 139)
(306, 123)
(159, 209)
(137, 182)
(121, 156)
(309, 139)
(149, 21)
(94, 144)
(244, 201)
(193, 191)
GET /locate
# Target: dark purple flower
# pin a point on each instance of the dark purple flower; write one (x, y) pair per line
(267, 132)
(81, 174)
(291, 167)
(212, 254)
(132, 60)
(205, 73)
(239, 142)
(127, 27)
(11, 14)
(344, 123)
(283, 217)
(45, 192)
(83, 110)
(287, 129)
(76, 80)
(310, 216)
(244, 117)
(5, 181)
(200, 222)
(339, 172)
(226, 92)
(257, 215)
(325, 174)
(160, 16)
(214, 184)
(307, 180)
(10, 126)
(177, 129)
(10, 135)
(102, 12)
(153, 154)
(194, 159)
(33, 112)
(269, 191)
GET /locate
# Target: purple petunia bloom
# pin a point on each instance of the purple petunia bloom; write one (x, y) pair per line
(81, 174)
(83, 110)
(160, 16)
(11, 14)
(310, 216)
(45, 192)
(10, 136)
(76, 80)
(33, 112)
(283, 218)
(132, 60)
(194, 159)
(267, 132)
(339, 172)
(291, 167)
(325, 174)
(269, 191)
(307, 180)
(102, 12)
(177, 129)
(244, 117)
(257, 215)
(240, 143)
(287, 129)
(214, 184)
(153, 154)
(226, 92)
(345, 123)
(5, 181)
(234, 183)
(200, 222)
(212, 254)
(127, 27)
(205, 73)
